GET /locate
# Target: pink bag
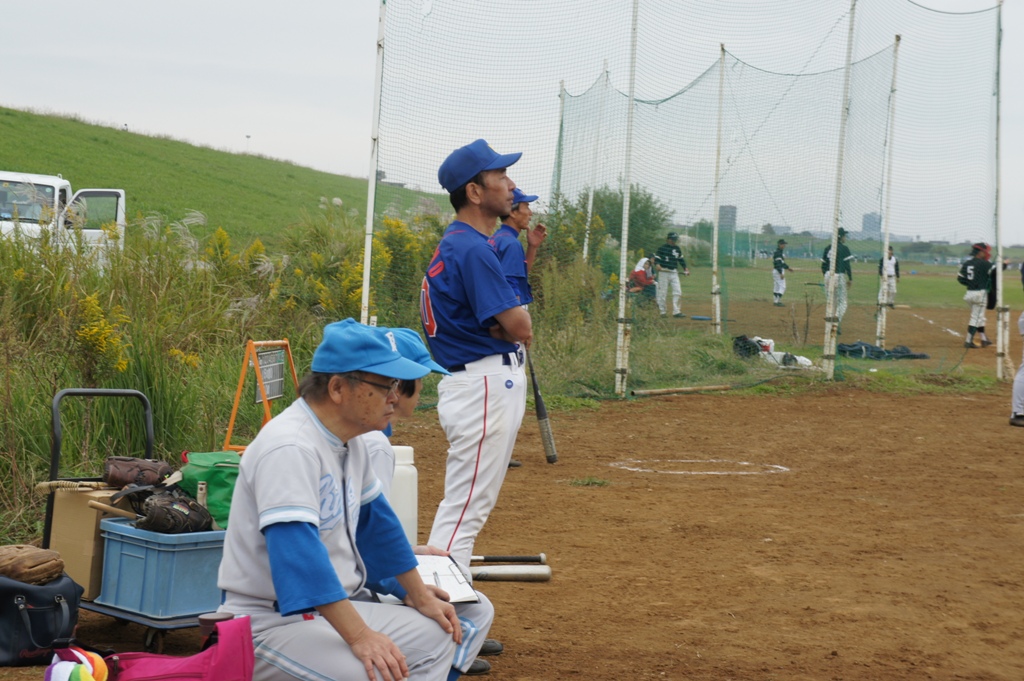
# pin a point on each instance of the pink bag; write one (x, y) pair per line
(229, 659)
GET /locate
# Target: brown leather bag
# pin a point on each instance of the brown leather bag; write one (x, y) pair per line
(119, 471)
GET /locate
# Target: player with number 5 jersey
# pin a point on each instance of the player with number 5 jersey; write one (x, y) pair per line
(475, 327)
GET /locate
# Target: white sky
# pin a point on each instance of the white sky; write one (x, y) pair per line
(286, 80)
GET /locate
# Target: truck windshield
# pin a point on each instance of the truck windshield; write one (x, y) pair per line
(26, 202)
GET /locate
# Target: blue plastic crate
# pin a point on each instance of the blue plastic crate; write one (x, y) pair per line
(159, 575)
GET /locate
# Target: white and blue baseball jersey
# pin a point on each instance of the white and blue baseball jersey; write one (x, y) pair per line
(463, 290)
(512, 257)
(296, 471)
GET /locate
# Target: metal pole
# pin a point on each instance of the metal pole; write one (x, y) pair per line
(1004, 366)
(556, 180)
(622, 339)
(716, 290)
(371, 184)
(828, 357)
(593, 164)
(880, 327)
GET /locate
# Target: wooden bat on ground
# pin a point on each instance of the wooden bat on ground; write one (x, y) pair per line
(541, 559)
(542, 417)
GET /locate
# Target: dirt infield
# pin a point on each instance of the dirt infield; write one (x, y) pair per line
(835, 535)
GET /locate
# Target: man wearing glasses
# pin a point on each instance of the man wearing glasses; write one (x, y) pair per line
(309, 528)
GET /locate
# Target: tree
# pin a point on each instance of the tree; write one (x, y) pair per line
(649, 218)
(768, 230)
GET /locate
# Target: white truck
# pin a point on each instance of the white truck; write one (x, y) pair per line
(32, 205)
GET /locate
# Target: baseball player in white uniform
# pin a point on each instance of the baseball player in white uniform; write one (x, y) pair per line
(310, 531)
(475, 618)
(1017, 417)
(889, 271)
(474, 324)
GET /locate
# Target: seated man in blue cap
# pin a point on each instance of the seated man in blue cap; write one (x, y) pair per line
(310, 528)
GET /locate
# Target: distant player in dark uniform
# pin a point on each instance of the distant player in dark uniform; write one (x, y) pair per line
(844, 272)
(667, 261)
(978, 275)
(475, 325)
(779, 268)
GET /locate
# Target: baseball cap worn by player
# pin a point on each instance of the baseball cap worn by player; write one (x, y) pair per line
(672, 236)
(783, 242)
(465, 162)
(842, 232)
(351, 346)
(519, 196)
(411, 347)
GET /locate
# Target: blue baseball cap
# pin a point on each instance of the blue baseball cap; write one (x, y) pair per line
(411, 346)
(465, 162)
(351, 346)
(518, 196)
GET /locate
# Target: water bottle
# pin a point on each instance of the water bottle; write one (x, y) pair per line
(405, 491)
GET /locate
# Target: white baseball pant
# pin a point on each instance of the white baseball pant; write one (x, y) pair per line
(778, 283)
(1018, 380)
(841, 302)
(480, 410)
(669, 279)
(311, 649)
(887, 292)
(977, 300)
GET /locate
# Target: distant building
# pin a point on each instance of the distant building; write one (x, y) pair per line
(871, 226)
(726, 218)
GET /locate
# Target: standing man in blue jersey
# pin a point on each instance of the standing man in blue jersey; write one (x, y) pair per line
(476, 328)
(515, 262)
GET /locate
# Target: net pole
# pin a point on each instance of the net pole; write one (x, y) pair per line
(593, 164)
(622, 340)
(371, 184)
(1002, 312)
(716, 290)
(881, 326)
(556, 177)
(828, 358)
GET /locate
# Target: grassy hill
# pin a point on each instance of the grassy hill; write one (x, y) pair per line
(247, 195)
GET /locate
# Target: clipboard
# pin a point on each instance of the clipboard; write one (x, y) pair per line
(444, 572)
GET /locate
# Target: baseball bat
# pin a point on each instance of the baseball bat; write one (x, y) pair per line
(541, 559)
(542, 417)
(511, 573)
(113, 510)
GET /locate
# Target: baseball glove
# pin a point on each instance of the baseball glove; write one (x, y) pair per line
(173, 513)
(30, 564)
(119, 471)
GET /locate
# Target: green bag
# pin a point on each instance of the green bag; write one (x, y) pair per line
(219, 470)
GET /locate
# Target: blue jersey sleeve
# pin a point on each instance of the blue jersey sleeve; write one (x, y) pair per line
(300, 567)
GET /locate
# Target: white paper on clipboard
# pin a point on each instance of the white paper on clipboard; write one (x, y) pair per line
(442, 571)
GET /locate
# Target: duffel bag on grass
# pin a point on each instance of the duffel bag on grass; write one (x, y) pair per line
(34, 617)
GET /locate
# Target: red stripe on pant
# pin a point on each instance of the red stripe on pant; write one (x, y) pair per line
(476, 469)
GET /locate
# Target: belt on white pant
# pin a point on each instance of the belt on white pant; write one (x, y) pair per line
(508, 359)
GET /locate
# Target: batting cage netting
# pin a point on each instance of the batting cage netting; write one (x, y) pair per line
(735, 124)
